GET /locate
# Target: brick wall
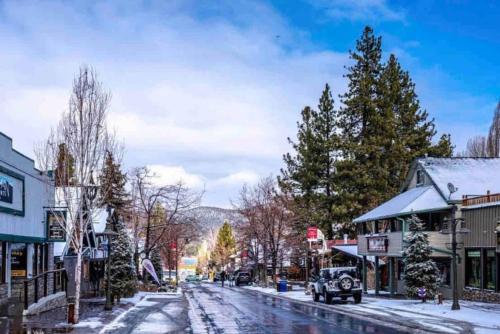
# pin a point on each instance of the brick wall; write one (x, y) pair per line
(3, 292)
(481, 296)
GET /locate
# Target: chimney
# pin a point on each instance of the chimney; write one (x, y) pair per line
(345, 239)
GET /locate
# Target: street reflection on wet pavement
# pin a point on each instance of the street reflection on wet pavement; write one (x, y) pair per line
(214, 309)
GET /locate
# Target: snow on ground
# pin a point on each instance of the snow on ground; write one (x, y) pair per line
(156, 322)
(484, 317)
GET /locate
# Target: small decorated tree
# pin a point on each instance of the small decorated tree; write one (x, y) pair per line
(420, 270)
(122, 270)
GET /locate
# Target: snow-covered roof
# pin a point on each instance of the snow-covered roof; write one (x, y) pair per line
(420, 199)
(353, 250)
(472, 176)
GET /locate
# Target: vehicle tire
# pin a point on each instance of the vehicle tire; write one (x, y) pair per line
(327, 297)
(344, 298)
(346, 283)
(357, 299)
(315, 296)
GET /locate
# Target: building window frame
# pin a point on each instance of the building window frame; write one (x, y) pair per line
(3, 261)
(469, 268)
(420, 177)
(484, 270)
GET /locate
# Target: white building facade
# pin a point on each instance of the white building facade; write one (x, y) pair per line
(26, 194)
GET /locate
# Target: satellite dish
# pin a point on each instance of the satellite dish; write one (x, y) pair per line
(452, 189)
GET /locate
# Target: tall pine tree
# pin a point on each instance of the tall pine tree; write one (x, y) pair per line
(113, 181)
(420, 270)
(310, 173)
(362, 174)
(122, 270)
(383, 130)
(113, 194)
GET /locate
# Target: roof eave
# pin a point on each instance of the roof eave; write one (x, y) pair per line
(401, 214)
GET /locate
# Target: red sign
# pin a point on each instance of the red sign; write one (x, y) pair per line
(312, 233)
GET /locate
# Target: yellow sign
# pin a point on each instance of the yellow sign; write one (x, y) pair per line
(18, 273)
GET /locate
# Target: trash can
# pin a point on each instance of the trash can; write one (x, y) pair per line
(283, 286)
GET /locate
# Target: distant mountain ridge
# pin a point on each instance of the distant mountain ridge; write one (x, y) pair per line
(211, 218)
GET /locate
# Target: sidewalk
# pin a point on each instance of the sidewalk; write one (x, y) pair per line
(474, 317)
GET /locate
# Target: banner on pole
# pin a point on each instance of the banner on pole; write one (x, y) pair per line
(146, 263)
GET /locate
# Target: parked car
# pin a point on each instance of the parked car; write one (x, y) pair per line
(192, 279)
(336, 282)
(242, 278)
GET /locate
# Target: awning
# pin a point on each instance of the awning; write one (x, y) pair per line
(352, 250)
(416, 200)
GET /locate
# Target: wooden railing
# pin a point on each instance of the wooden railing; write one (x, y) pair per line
(468, 200)
(59, 283)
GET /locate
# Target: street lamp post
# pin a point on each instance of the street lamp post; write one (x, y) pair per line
(454, 246)
(109, 232)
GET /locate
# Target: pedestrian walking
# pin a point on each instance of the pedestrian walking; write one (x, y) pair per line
(222, 277)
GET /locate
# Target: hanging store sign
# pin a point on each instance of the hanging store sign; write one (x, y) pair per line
(377, 244)
(56, 222)
(11, 192)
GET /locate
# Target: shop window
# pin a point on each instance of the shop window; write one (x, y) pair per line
(444, 266)
(2, 261)
(19, 256)
(45, 257)
(490, 269)
(473, 268)
(36, 259)
(420, 177)
(383, 226)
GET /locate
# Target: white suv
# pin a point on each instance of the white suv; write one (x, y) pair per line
(337, 282)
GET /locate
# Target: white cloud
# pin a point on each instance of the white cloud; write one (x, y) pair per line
(168, 175)
(237, 179)
(361, 10)
(205, 96)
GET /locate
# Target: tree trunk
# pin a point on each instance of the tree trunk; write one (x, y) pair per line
(78, 282)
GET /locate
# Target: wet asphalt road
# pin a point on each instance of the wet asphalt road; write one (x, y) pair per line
(214, 309)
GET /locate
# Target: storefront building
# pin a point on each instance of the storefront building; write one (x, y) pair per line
(426, 194)
(482, 247)
(25, 196)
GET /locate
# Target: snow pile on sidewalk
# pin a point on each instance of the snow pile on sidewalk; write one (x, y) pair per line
(296, 294)
(142, 302)
(484, 317)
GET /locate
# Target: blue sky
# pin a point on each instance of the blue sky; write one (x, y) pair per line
(209, 91)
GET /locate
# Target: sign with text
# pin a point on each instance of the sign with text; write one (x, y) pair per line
(377, 244)
(56, 221)
(18, 260)
(314, 234)
(11, 192)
